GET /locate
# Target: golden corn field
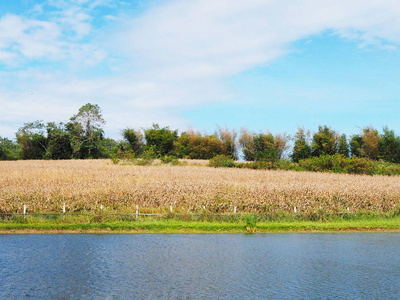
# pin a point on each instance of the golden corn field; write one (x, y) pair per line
(84, 185)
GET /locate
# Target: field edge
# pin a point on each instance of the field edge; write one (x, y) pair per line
(173, 226)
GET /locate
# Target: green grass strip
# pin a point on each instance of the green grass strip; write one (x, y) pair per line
(172, 225)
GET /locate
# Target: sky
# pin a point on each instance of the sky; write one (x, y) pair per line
(266, 65)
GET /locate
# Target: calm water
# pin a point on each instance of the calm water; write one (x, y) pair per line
(206, 266)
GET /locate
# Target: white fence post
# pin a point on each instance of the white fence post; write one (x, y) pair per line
(64, 208)
(170, 209)
(24, 211)
(101, 206)
(137, 211)
(295, 209)
(234, 210)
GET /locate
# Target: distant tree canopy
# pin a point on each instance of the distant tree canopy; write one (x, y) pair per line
(133, 141)
(32, 140)
(302, 148)
(325, 142)
(343, 146)
(160, 140)
(263, 146)
(194, 145)
(83, 137)
(389, 146)
(59, 142)
(8, 149)
(80, 138)
(86, 132)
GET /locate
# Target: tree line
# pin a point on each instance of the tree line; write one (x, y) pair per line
(83, 137)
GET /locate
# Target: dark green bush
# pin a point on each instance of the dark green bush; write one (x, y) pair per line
(222, 161)
(171, 160)
(262, 165)
(358, 165)
(143, 162)
(324, 163)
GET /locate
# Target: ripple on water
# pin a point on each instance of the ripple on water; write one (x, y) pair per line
(187, 266)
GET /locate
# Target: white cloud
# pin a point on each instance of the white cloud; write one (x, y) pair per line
(174, 56)
(222, 38)
(59, 35)
(28, 38)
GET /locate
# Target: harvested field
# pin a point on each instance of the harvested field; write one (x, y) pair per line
(44, 186)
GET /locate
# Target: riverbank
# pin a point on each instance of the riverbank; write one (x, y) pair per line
(179, 226)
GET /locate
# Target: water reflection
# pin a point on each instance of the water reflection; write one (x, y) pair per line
(178, 266)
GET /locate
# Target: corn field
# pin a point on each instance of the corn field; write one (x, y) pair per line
(85, 185)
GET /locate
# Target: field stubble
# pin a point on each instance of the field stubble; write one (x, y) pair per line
(84, 185)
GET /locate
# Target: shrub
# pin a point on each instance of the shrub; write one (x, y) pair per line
(358, 165)
(251, 222)
(325, 163)
(222, 161)
(171, 160)
(149, 153)
(262, 165)
(143, 162)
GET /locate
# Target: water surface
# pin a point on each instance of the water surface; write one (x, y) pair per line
(206, 266)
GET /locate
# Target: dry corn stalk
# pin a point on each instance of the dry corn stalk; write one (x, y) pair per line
(44, 186)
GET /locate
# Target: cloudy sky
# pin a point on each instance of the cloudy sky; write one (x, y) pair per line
(262, 64)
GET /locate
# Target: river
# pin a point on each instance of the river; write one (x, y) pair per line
(200, 266)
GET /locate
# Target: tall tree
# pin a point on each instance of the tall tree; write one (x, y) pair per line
(160, 139)
(59, 142)
(325, 141)
(370, 145)
(32, 140)
(281, 144)
(192, 144)
(343, 146)
(264, 145)
(356, 143)
(389, 146)
(228, 140)
(8, 149)
(302, 148)
(134, 139)
(246, 143)
(87, 131)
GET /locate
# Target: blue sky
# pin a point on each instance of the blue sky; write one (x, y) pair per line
(264, 65)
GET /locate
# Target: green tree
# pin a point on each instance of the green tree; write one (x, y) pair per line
(108, 147)
(182, 145)
(228, 140)
(32, 140)
(356, 143)
(87, 132)
(59, 142)
(370, 145)
(389, 146)
(281, 144)
(264, 145)
(134, 139)
(193, 145)
(246, 143)
(8, 149)
(343, 146)
(325, 142)
(160, 139)
(302, 148)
